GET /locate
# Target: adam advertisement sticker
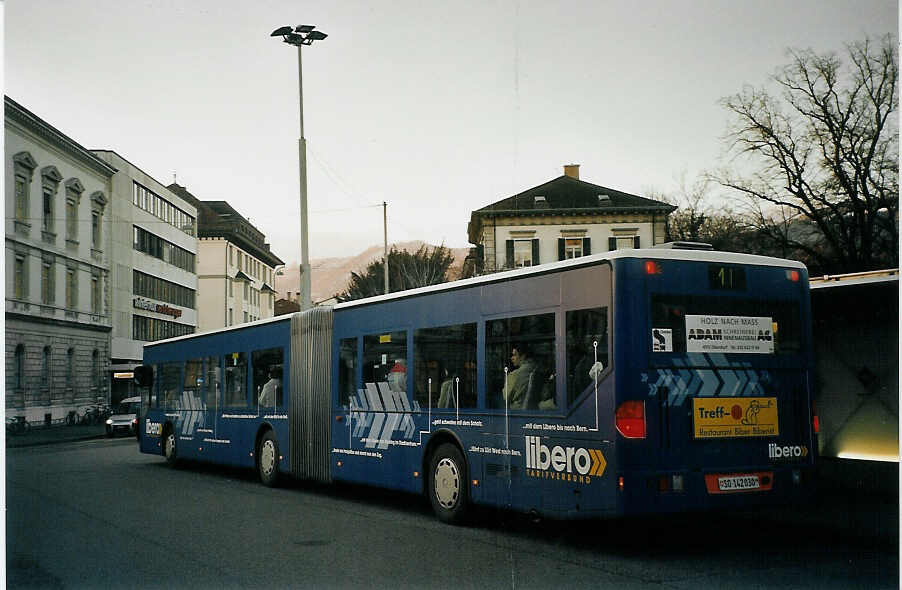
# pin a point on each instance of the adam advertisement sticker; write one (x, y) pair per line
(737, 334)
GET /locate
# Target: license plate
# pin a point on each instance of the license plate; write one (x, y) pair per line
(738, 482)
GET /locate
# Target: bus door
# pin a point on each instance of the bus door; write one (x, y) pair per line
(212, 392)
(236, 409)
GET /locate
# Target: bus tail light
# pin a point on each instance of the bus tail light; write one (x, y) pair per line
(630, 419)
(792, 275)
(815, 422)
(652, 267)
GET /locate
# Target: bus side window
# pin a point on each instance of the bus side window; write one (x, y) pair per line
(347, 370)
(170, 385)
(446, 355)
(385, 360)
(212, 383)
(585, 328)
(235, 394)
(525, 346)
(194, 371)
(267, 366)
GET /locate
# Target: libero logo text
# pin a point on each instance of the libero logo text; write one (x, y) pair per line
(573, 464)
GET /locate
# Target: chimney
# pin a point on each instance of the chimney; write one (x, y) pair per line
(571, 170)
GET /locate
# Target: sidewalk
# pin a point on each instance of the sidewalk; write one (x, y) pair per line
(55, 434)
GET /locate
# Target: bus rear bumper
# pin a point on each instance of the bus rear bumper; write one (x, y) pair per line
(662, 492)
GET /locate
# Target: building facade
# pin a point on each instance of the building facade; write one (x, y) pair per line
(236, 269)
(58, 260)
(153, 271)
(563, 218)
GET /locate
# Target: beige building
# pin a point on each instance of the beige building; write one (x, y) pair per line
(58, 258)
(235, 267)
(563, 218)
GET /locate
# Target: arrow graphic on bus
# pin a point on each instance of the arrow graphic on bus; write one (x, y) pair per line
(378, 412)
(704, 375)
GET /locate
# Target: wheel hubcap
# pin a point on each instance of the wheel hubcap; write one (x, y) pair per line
(170, 445)
(447, 483)
(267, 457)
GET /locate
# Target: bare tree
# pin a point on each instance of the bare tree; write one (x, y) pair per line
(826, 157)
(697, 219)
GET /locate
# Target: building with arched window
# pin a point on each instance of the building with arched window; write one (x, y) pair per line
(58, 256)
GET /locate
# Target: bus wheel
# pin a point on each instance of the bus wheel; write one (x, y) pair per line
(169, 450)
(268, 459)
(448, 490)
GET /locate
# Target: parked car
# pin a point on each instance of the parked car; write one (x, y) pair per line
(124, 419)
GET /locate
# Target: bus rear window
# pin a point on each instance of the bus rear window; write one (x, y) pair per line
(678, 319)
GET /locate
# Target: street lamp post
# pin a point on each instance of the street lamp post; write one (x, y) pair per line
(299, 36)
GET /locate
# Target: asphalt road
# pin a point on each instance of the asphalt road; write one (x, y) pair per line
(98, 514)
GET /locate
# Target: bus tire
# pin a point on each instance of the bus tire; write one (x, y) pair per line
(268, 459)
(170, 447)
(448, 490)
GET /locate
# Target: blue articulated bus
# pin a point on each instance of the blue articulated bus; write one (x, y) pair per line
(630, 382)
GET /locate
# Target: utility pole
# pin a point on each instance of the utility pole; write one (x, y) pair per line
(385, 234)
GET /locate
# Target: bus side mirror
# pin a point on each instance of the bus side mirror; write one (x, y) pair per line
(144, 376)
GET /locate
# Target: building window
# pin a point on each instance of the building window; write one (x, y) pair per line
(71, 288)
(231, 290)
(623, 242)
(20, 280)
(19, 376)
(50, 179)
(21, 198)
(74, 189)
(48, 286)
(96, 292)
(47, 217)
(95, 230)
(573, 248)
(155, 246)
(525, 253)
(231, 318)
(245, 317)
(157, 206)
(231, 256)
(98, 204)
(23, 170)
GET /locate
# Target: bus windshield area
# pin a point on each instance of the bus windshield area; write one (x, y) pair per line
(680, 318)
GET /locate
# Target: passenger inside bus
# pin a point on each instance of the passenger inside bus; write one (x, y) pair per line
(446, 395)
(272, 388)
(520, 379)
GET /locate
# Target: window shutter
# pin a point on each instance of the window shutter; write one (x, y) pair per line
(509, 254)
(561, 254)
(612, 243)
(636, 242)
(535, 252)
(587, 246)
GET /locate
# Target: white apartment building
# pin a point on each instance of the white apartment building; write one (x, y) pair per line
(235, 267)
(153, 273)
(563, 218)
(58, 258)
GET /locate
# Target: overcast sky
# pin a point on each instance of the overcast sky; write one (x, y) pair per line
(438, 108)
